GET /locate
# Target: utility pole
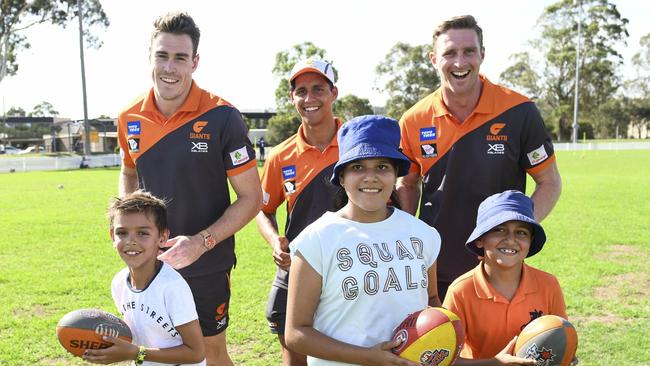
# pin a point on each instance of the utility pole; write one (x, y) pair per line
(574, 134)
(83, 81)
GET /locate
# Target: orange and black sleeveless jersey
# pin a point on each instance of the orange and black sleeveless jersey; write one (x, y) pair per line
(463, 163)
(300, 174)
(186, 160)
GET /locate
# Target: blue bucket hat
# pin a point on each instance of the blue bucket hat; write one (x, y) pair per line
(367, 137)
(503, 207)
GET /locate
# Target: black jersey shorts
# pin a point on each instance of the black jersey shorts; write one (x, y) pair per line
(212, 299)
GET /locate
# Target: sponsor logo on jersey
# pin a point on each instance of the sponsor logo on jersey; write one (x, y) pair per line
(496, 149)
(542, 357)
(495, 130)
(290, 186)
(197, 127)
(288, 172)
(134, 144)
(199, 147)
(435, 357)
(239, 156)
(428, 133)
(429, 150)
(133, 128)
(537, 156)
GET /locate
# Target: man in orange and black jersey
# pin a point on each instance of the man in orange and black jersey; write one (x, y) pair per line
(468, 140)
(297, 171)
(184, 145)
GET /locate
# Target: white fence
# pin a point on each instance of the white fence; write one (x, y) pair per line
(568, 146)
(24, 164)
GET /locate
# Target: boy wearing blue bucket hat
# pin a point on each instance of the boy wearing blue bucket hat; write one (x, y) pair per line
(358, 272)
(502, 294)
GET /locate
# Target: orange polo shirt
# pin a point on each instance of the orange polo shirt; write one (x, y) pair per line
(489, 319)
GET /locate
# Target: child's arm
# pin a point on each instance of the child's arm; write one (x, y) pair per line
(504, 357)
(305, 286)
(432, 287)
(191, 351)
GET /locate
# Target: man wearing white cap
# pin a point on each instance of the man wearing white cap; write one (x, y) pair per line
(298, 170)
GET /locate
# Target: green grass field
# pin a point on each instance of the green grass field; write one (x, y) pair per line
(55, 256)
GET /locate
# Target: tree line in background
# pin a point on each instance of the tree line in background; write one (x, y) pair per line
(545, 71)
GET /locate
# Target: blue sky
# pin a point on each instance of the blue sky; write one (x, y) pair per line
(239, 40)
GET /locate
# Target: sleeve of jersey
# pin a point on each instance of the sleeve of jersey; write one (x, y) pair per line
(537, 148)
(272, 192)
(405, 145)
(179, 302)
(308, 244)
(454, 303)
(238, 153)
(558, 306)
(124, 147)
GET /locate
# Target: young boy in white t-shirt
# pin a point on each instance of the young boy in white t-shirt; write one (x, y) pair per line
(154, 300)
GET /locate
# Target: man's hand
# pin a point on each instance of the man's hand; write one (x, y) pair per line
(183, 250)
(281, 254)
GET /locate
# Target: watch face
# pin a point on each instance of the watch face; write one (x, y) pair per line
(210, 242)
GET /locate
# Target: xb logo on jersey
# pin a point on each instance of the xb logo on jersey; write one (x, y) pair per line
(197, 127)
(201, 147)
(496, 149)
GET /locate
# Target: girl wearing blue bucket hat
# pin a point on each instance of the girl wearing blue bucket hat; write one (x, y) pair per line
(502, 294)
(358, 272)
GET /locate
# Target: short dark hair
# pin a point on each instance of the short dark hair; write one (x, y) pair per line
(177, 23)
(140, 202)
(458, 22)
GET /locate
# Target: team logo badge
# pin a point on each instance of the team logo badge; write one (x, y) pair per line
(290, 186)
(537, 156)
(239, 156)
(496, 149)
(433, 358)
(542, 357)
(495, 130)
(427, 134)
(197, 127)
(288, 172)
(134, 145)
(429, 150)
(133, 128)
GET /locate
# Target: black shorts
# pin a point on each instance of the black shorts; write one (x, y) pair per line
(212, 298)
(276, 309)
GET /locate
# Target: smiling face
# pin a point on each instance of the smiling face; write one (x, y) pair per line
(457, 57)
(368, 184)
(172, 65)
(137, 240)
(506, 245)
(313, 98)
